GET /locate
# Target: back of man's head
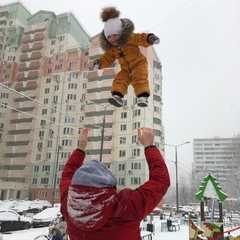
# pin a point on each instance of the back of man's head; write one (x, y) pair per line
(94, 174)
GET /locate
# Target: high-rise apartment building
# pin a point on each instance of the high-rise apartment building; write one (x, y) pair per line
(216, 155)
(49, 91)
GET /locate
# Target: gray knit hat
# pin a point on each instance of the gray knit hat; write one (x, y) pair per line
(95, 174)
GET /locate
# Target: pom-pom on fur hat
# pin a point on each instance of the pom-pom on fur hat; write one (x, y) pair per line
(113, 24)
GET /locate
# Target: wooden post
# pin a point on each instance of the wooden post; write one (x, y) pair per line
(202, 214)
(220, 212)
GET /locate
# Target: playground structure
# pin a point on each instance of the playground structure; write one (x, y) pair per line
(212, 228)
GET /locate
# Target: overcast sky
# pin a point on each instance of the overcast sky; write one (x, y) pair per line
(200, 54)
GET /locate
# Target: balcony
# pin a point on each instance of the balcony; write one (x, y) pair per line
(14, 174)
(16, 161)
(98, 119)
(19, 137)
(16, 149)
(98, 95)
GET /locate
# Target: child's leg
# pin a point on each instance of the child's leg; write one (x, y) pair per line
(141, 85)
(119, 88)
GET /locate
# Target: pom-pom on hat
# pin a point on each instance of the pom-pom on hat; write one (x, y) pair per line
(113, 24)
(94, 174)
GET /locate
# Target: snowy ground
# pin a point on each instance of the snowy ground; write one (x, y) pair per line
(30, 234)
(34, 232)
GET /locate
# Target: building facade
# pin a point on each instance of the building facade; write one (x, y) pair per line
(220, 156)
(49, 91)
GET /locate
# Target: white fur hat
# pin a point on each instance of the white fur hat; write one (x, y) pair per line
(113, 26)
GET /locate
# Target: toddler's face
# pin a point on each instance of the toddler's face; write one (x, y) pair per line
(113, 39)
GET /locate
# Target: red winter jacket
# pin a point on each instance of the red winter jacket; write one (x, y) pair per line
(103, 213)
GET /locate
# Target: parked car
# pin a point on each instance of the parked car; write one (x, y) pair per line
(157, 211)
(10, 221)
(185, 209)
(44, 218)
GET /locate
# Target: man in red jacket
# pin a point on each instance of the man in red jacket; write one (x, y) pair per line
(91, 204)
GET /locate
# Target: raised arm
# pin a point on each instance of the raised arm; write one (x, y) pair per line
(74, 162)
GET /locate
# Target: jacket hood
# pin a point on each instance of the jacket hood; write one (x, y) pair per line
(127, 31)
(88, 207)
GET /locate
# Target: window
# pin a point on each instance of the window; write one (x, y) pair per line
(47, 90)
(2, 115)
(157, 65)
(67, 142)
(45, 168)
(51, 51)
(156, 98)
(73, 75)
(49, 144)
(53, 42)
(39, 145)
(70, 108)
(136, 166)
(62, 38)
(72, 86)
(157, 132)
(45, 100)
(44, 180)
(48, 155)
(4, 95)
(121, 166)
(156, 121)
(61, 167)
(65, 154)
(61, 48)
(71, 96)
(44, 111)
(157, 109)
(136, 152)
(41, 134)
(59, 57)
(123, 114)
(38, 157)
(43, 122)
(69, 119)
(42, 194)
(123, 127)
(121, 181)
(36, 168)
(68, 131)
(136, 112)
(134, 138)
(18, 194)
(48, 80)
(122, 140)
(55, 99)
(73, 64)
(135, 181)
(56, 88)
(34, 181)
(84, 85)
(58, 67)
(122, 153)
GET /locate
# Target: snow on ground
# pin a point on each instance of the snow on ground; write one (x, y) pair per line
(34, 232)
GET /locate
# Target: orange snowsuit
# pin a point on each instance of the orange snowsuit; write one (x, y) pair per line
(134, 65)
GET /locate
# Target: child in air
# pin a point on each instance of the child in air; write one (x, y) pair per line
(120, 42)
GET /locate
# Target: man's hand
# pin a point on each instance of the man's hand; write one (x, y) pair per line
(83, 139)
(146, 136)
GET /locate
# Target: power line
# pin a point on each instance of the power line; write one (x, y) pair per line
(172, 15)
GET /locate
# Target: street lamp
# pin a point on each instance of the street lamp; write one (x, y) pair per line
(176, 165)
(56, 167)
(103, 124)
